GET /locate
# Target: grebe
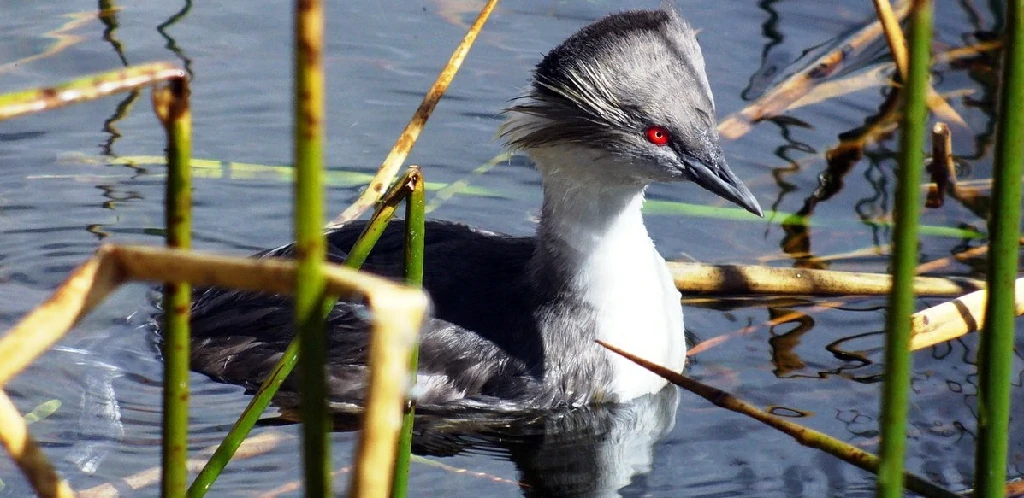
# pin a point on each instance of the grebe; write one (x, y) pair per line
(622, 103)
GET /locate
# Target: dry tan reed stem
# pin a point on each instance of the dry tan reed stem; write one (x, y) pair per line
(894, 36)
(738, 279)
(156, 264)
(86, 287)
(397, 321)
(955, 318)
(898, 48)
(84, 89)
(26, 453)
(113, 265)
(387, 171)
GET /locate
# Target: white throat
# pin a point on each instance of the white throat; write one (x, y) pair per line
(595, 219)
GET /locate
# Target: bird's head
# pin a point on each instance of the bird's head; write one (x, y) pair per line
(631, 90)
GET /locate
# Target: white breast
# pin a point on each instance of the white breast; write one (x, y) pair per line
(638, 311)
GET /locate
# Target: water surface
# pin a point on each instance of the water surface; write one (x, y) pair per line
(73, 179)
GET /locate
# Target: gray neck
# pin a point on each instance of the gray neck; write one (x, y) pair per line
(602, 275)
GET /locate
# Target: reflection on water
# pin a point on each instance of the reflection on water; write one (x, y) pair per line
(827, 165)
(597, 451)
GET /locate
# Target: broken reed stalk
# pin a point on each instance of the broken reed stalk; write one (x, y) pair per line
(803, 435)
(360, 250)
(172, 107)
(395, 329)
(393, 162)
(741, 279)
(38, 331)
(112, 266)
(311, 302)
(415, 234)
(896, 384)
(956, 318)
(996, 349)
(27, 455)
(893, 36)
(898, 48)
(941, 168)
(400, 191)
(86, 88)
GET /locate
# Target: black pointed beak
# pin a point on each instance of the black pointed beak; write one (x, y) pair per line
(714, 174)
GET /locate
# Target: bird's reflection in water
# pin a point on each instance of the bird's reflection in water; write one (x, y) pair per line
(605, 450)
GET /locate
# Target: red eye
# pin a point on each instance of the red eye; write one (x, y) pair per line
(658, 135)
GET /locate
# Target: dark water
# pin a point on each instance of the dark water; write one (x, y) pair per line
(67, 186)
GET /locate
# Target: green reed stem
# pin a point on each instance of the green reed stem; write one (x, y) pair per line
(310, 299)
(901, 298)
(172, 104)
(371, 234)
(995, 352)
(261, 400)
(246, 421)
(415, 233)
